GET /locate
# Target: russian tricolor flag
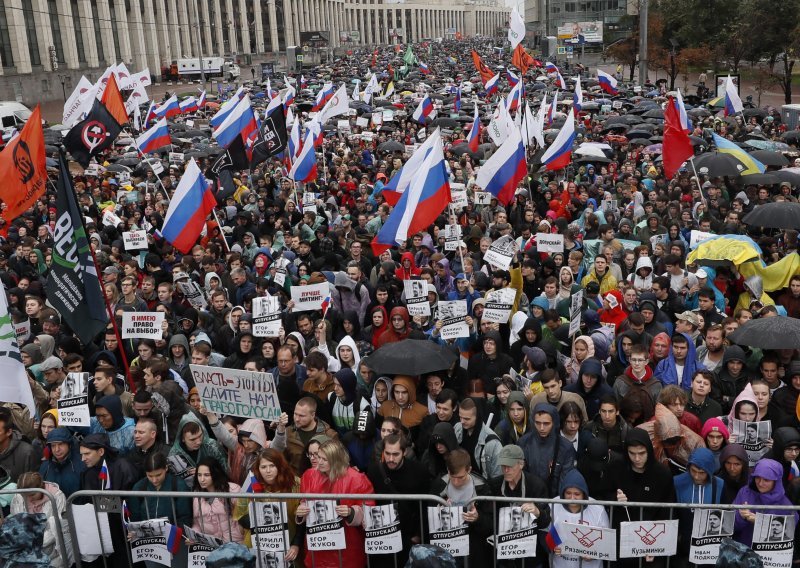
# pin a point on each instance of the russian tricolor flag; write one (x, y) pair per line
(424, 68)
(558, 154)
(251, 484)
(303, 82)
(607, 82)
(155, 138)
(201, 101)
(401, 180)
(226, 108)
(513, 98)
(553, 70)
(293, 144)
(491, 85)
(169, 108)
(685, 122)
(512, 79)
(325, 94)
(305, 167)
(105, 477)
(552, 539)
(189, 104)
(733, 103)
(501, 173)
(190, 205)
(326, 303)
(551, 110)
(151, 114)
(457, 100)
(424, 111)
(174, 537)
(288, 97)
(577, 98)
(474, 138)
(241, 121)
(426, 198)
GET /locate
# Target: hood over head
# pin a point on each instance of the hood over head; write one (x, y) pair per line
(348, 341)
(443, 433)
(113, 404)
(573, 479)
(704, 459)
(410, 384)
(254, 428)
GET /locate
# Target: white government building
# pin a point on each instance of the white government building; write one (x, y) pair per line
(46, 45)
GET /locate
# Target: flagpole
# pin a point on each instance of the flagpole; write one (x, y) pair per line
(103, 289)
(147, 160)
(219, 225)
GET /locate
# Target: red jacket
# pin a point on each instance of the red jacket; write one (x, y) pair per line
(353, 481)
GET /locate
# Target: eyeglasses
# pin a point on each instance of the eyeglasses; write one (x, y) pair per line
(313, 456)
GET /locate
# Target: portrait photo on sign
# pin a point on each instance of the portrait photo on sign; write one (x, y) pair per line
(718, 523)
(267, 514)
(148, 529)
(514, 519)
(76, 384)
(269, 559)
(443, 519)
(379, 517)
(322, 512)
(773, 528)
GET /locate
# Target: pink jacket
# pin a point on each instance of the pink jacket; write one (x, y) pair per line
(214, 517)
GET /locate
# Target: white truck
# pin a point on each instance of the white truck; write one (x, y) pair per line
(212, 67)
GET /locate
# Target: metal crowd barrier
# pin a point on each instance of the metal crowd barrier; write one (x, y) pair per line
(62, 547)
(111, 502)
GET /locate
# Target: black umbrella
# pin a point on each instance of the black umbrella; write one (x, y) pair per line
(129, 162)
(117, 168)
(411, 357)
(460, 149)
(760, 179)
(714, 164)
(770, 158)
(445, 122)
(654, 113)
(769, 333)
(785, 175)
(791, 136)
(775, 215)
(391, 146)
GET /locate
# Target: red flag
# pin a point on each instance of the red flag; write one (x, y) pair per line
(481, 67)
(676, 147)
(23, 169)
(522, 60)
(112, 99)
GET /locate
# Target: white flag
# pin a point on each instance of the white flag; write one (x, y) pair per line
(516, 28)
(14, 387)
(338, 104)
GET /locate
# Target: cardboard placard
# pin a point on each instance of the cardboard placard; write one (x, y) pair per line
(500, 252)
(310, 298)
(648, 538)
(516, 536)
(248, 394)
(753, 437)
(452, 235)
(597, 543)
(549, 242)
(193, 293)
(142, 325)
(111, 219)
(454, 319)
(709, 527)
(416, 292)
(135, 240)
(773, 539)
(269, 526)
(458, 198)
(449, 531)
(498, 305)
(267, 316)
(382, 529)
(362, 122)
(324, 530)
(22, 331)
(175, 158)
(576, 303)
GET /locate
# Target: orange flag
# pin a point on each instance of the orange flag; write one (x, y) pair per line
(485, 73)
(112, 99)
(522, 60)
(22, 168)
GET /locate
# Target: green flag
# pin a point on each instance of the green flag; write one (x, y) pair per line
(409, 57)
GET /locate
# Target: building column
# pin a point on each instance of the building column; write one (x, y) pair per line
(87, 34)
(68, 40)
(44, 33)
(205, 28)
(258, 26)
(244, 28)
(137, 43)
(185, 28)
(125, 54)
(106, 33)
(150, 47)
(219, 35)
(231, 24)
(19, 39)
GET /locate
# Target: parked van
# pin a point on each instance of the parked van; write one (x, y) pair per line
(13, 115)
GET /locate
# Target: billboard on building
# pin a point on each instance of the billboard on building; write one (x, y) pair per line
(315, 39)
(581, 32)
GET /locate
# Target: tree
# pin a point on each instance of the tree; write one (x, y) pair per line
(778, 41)
(626, 52)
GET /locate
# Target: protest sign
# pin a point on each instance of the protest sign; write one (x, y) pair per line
(608, 205)
(773, 539)
(362, 122)
(343, 126)
(449, 530)
(92, 530)
(416, 292)
(516, 536)
(266, 316)
(452, 234)
(180, 468)
(198, 554)
(176, 158)
(501, 252)
(648, 538)
(135, 240)
(268, 559)
(753, 436)
(248, 394)
(193, 293)
(549, 242)
(142, 325)
(73, 404)
(309, 202)
(498, 305)
(309, 298)
(709, 527)
(597, 543)
(458, 197)
(483, 198)
(123, 178)
(150, 541)
(111, 219)
(324, 530)
(454, 319)
(696, 237)
(576, 303)
(23, 330)
(270, 529)
(658, 239)
(200, 545)
(382, 528)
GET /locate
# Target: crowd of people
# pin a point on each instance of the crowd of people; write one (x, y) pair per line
(643, 404)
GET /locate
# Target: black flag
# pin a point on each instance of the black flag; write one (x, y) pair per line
(73, 287)
(234, 158)
(92, 135)
(272, 137)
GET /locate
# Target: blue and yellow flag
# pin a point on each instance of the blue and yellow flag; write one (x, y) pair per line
(752, 165)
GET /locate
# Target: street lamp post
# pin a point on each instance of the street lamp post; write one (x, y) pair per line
(63, 79)
(672, 72)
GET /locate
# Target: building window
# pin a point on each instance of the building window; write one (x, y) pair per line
(112, 7)
(30, 30)
(101, 54)
(76, 23)
(55, 26)
(5, 41)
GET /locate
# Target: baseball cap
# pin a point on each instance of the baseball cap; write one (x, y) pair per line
(50, 363)
(691, 317)
(52, 318)
(510, 455)
(700, 273)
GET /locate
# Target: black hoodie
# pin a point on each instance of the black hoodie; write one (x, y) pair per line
(516, 350)
(443, 433)
(484, 368)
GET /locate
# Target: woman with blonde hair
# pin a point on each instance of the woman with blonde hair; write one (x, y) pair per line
(333, 474)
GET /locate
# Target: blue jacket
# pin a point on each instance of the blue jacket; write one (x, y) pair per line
(154, 507)
(666, 372)
(685, 489)
(68, 472)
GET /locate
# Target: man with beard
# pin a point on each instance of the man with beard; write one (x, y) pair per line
(711, 354)
(391, 473)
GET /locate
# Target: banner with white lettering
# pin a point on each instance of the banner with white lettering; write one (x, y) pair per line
(382, 527)
(452, 234)
(773, 539)
(135, 240)
(324, 530)
(648, 538)
(498, 305)
(270, 528)
(416, 292)
(597, 543)
(709, 527)
(501, 252)
(248, 394)
(73, 403)
(454, 319)
(449, 530)
(549, 242)
(753, 436)
(142, 325)
(266, 316)
(516, 536)
(310, 298)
